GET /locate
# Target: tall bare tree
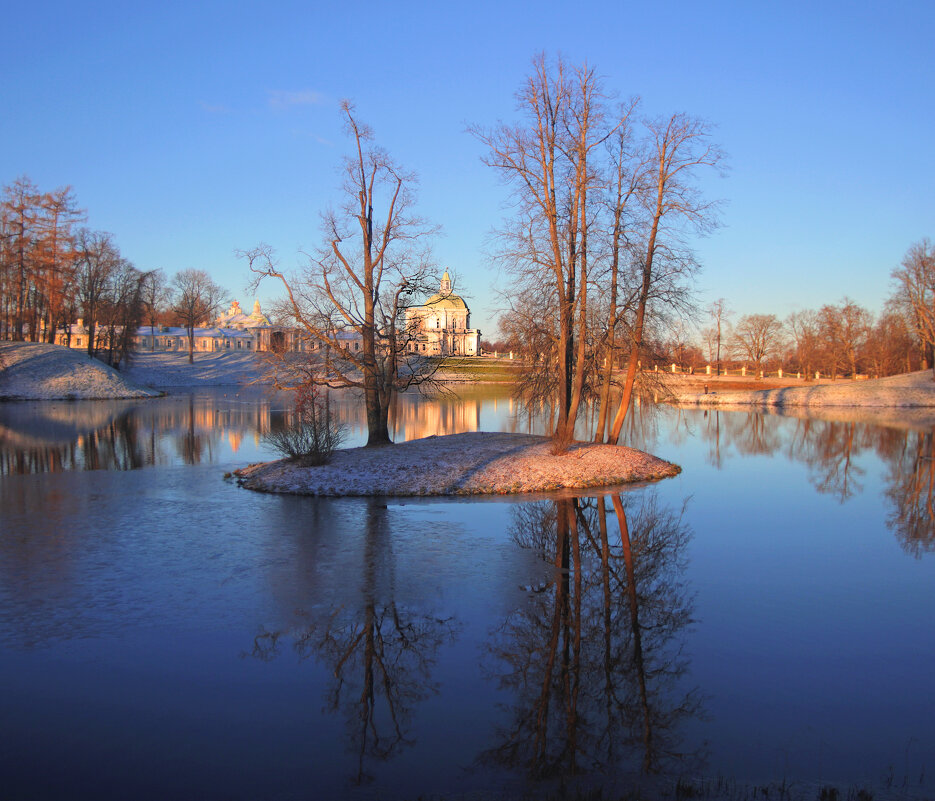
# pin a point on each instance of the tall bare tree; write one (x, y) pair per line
(356, 290)
(802, 328)
(196, 299)
(719, 314)
(547, 160)
(97, 261)
(678, 147)
(625, 185)
(155, 294)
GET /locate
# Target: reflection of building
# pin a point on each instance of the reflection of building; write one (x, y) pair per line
(442, 325)
(411, 418)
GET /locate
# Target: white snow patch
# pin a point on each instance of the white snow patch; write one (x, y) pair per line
(37, 371)
(475, 463)
(209, 369)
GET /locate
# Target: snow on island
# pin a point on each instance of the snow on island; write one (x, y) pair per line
(37, 371)
(898, 391)
(477, 463)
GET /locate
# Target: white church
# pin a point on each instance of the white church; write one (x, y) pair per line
(442, 325)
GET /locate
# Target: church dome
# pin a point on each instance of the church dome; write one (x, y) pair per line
(452, 301)
(446, 299)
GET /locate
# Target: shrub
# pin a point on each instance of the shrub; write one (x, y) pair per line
(314, 436)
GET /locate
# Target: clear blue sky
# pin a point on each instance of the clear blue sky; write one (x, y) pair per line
(193, 130)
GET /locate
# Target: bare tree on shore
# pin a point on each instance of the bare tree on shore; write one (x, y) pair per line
(915, 291)
(758, 336)
(195, 300)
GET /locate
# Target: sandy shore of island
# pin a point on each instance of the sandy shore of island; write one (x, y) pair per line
(478, 463)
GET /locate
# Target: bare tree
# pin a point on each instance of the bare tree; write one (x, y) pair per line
(719, 314)
(855, 328)
(915, 291)
(889, 348)
(122, 311)
(758, 336)
(802, 327)
(351, 301)
(36, 259)
(679, 146)
(196, 299)
(625, 184)
(155, 293)
(547, 160)
(97, 259)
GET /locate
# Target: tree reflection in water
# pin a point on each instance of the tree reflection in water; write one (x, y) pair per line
(910, 487)
(595, 658)
(831, 449)
(380, 655)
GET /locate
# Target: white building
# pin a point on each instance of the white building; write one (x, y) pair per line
(442, 325)
(439, 327)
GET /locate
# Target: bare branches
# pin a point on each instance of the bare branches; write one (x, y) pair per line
(196, 300)
(350, 299)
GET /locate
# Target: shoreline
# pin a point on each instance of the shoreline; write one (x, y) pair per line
(894, 393)
(476, 463)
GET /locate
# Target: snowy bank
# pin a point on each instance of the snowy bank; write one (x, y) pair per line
(37, 371)
(210, 369)
(898, 391)
(478, 463)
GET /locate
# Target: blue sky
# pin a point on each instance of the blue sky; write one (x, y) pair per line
(191, 131)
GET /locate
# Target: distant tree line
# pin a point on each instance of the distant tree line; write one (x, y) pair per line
(55, 271)
(835, 340)
(840, 339)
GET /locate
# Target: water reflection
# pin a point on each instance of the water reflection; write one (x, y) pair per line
(51, 437)
(833, 450)
(910, 481)
(594, 660)
(378, 652)
(115, 435)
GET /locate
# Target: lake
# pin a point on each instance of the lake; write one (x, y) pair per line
(762, 620)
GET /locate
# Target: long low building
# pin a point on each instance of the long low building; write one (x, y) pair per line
(439, 327)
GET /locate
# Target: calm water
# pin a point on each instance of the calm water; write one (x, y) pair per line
(765, 616)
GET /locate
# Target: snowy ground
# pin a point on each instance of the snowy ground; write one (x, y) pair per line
(171, 369)
(911, 390)
(478, 463)
(35, 371)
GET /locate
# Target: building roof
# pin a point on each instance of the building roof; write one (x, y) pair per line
(235, 317)
(449, 301)
(446, 299)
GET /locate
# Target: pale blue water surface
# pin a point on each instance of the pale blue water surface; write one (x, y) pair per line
(764, 617)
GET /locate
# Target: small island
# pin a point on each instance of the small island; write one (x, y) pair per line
(477, 463)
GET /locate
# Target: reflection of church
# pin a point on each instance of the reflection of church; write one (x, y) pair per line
(441, 325)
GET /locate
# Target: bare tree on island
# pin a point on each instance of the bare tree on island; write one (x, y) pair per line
(678, 146)
(356, 289)
(596, 233)
(550, 162)
(196, 299)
